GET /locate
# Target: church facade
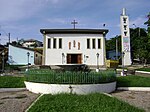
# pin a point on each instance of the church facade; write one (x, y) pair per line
(74, 46)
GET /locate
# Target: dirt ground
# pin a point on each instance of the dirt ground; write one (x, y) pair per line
(16, 101)
(140, 99)
(21, 100)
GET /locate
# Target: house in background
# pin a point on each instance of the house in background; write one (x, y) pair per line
(3, 55)
(112, 55)
(31, 43)
(74, 46)
(21, 55)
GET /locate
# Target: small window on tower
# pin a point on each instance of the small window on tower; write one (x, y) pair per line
(124, 20)
(125, 33)
(125, 27)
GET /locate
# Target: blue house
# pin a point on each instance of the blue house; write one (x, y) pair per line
(20, 55)
(112, 55)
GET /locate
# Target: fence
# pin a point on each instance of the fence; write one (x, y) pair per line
(53, 77)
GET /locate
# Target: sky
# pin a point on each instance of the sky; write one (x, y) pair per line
(23, 19)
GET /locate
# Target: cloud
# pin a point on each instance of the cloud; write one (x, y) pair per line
(139, 21)
(15, 10)
(57, 20)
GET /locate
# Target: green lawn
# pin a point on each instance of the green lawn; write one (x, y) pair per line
(127, 81)
(144, 69)
(11, 82)
(81, 103)
(133, 81)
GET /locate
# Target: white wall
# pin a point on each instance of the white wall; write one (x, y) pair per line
(54, 56)
(18, 56)
(65, 88)
(125, 40)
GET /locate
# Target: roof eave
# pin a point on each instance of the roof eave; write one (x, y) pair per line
(74, 31)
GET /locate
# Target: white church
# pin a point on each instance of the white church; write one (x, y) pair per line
(74, 46)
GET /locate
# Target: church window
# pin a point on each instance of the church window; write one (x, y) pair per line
(60, 43)
(69, 45)
(49, 43)
(99, 43)
(88, 43)
(74, 43)
(93, 43)
(54, 43)
(78, 45)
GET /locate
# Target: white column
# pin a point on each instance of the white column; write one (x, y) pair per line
(125, 36)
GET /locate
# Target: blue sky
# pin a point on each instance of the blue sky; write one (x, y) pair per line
(25, 18)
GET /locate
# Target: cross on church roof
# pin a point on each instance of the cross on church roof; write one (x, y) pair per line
(74, 23)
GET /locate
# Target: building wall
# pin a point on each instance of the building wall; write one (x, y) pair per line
(89, 57)
(18, 56)
(38, 58)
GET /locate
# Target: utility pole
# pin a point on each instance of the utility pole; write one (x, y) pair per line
(116, 47)
(8, 38)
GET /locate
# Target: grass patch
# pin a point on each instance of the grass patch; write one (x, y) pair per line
(144, 69)
(133, 81)
(11, 82)
(53, 77)
(81, 103)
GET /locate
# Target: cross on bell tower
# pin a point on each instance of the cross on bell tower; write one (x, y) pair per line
(74, 23)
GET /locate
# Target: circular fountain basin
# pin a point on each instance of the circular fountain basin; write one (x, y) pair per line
(70, 88)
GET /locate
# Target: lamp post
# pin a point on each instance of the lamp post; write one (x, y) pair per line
(3, 65)
(97, 70)
(123, 63)
(28, 54)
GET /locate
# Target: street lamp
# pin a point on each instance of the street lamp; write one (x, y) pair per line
(3, 65)
(28, 54)
(123, 63)
(97, 70)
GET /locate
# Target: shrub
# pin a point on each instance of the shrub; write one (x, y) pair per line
(67, 77)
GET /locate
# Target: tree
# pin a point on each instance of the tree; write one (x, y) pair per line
(148, 35)
(111, 44)
(138, 39)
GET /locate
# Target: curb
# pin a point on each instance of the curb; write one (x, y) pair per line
(33, 103)
(134, 88)
(11, 89)
(142, 72)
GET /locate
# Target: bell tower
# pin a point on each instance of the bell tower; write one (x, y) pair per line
(125, 37)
